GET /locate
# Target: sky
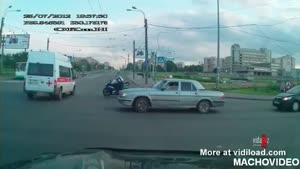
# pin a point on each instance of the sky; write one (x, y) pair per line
(272, 24)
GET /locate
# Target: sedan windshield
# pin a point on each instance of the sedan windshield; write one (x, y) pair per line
(159, 84)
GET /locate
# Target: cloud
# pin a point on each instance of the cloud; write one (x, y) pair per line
(191, 45)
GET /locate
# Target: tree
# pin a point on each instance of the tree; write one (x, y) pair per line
(160, 68)
(171, 66)
(193, 68)
(10, 60)
(129, 66)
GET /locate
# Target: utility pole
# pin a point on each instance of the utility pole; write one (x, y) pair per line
(155, 65)
(133, 60)
(128, 59)
(48, 41)
(2, 37)
(2, 43)
(146, 50)
(146, 40)
(218, 48)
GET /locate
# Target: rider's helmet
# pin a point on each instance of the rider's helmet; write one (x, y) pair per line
(119, 79)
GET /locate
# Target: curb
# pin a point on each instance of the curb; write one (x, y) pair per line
(244, 98)
(131, 81)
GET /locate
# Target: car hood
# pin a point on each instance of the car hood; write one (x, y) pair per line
(101, 158)
(280, 95)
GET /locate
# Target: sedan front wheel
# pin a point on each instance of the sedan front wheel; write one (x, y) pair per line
(141, 105)
(204, 106)
(295, 106)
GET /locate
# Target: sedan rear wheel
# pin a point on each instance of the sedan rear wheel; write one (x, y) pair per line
(203, 106)
(30, 96)
(295, 106)
(141, 105)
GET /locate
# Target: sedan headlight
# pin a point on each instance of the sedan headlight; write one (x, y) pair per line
(287, 98)
(124, 94)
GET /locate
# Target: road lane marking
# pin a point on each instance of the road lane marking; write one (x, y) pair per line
(11, 81)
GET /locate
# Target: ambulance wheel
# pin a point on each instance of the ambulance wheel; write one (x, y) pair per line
(73, 91)
(59, 94)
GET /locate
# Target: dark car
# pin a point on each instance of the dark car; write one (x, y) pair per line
(289, 100)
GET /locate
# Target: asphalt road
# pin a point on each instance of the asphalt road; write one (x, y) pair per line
(88, 119)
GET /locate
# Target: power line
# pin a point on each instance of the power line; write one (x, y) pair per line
(256, 6)
(91, 6)
(238, 9)
(280, 22)
(266, 37)
(276, 43)
(204, 27)
(99, 4)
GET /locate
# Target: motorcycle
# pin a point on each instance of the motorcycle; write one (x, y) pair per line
(113, 87)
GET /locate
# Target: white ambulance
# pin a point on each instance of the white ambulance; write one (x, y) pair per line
(50, 73)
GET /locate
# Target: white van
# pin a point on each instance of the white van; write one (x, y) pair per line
(50, 73)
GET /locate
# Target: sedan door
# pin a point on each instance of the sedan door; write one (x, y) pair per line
(188, 95)
(168, 97)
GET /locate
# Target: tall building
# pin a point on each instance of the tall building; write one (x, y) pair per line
(287, 65)
(275, 66)
(227, 64)
(251, 61)
(210, 63)
(283, 66)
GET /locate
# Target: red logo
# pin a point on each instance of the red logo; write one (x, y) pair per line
(261, 141)
(48, 83)
(264, 141)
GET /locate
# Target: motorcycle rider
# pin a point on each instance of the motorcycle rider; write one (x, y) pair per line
(118, 83)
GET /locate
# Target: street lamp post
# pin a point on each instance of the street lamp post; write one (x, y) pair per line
(48, 40)
(133, 55)
(2, 39)
(127, 56)
(146, 39)
(218, 48)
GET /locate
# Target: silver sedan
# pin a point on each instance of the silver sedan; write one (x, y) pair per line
(172, 93)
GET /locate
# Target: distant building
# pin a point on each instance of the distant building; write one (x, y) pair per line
(227, 67)
(180, 65)
(276, 66)
(250, 61)
(287, 65)
(210, 63)
(283, 66)
(296, 74)
(91, 60)
(222, 63)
